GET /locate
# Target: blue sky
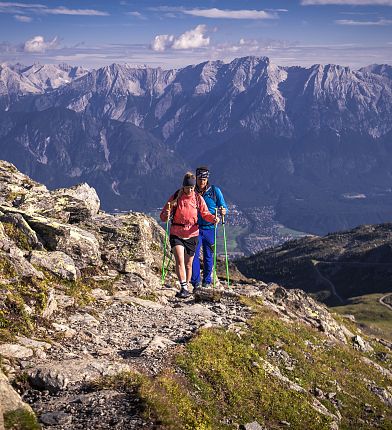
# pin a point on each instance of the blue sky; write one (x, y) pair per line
(177, 33)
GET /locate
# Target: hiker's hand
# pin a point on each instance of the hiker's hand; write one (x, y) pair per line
(217, 220)
(168, 212)
(223, 211)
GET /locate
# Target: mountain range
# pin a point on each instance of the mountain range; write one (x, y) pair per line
(313, 142)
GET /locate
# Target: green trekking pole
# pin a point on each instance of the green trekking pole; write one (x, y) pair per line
(163, 276)
(216, 214)
(225, 243)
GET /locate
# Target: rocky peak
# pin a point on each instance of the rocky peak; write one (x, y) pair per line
(384, 70)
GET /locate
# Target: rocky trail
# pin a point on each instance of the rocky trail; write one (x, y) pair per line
(119, 333)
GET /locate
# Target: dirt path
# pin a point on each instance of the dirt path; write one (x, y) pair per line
(330, 284)
(119, 333)
(381, 300)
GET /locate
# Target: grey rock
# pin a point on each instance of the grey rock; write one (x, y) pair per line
(56, 262)
(158, 343)
(52, 380)
(252, 426)
(9, 398)
(65, 372)
(198, 310)
(56, 418)
(124, 297)
(51, 305)
(11, 350)
(84, 320)
(31, 343)
(361, 344)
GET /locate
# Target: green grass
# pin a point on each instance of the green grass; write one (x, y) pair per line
(20, 419)
(373, 317)
(284, 231)
(218, 381)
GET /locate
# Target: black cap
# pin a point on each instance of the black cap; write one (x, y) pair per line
(202, 172)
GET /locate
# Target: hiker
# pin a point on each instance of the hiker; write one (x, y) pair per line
(213, 197)
(184, 209)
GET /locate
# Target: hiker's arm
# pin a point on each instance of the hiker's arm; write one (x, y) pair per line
(206, 214)
(165, 213)
(220, 201)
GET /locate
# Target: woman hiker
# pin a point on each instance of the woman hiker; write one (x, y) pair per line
(184, 206)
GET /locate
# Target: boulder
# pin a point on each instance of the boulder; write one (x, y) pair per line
(14, 350)
(56, 262)
(15, 186)
(130, 243)
(69, 205)
(25, 235)
(9, 398)
(66, 372)
(296, 305)
(81, 245)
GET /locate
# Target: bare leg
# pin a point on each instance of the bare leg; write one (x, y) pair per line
(179, 252)
(188, 267)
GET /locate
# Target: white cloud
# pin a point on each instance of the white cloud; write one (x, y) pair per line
(348, 2)
(229, 14)
(379, 22)
(13, 7)
(38, 44)
(23, 18)
(137, 14)
(162, 42)
(194, 38)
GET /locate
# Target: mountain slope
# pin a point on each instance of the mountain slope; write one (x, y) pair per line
(127, 165)
(334, 267)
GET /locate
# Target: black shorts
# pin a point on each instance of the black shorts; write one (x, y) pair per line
(189, 244)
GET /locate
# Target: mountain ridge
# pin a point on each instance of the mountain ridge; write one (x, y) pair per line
(299, 139)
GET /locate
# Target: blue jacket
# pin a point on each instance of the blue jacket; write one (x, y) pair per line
(214, 199)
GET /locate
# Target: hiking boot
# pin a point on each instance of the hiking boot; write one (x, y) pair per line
(196, 288)
(207, 285)
(183, 294)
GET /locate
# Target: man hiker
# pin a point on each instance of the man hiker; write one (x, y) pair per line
(213, 197)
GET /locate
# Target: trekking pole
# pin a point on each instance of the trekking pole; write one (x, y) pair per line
(215, 228)
(224, 241)
(163, 276)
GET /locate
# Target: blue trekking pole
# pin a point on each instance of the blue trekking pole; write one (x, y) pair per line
(163, 276)
(224, 240)
(216, 214)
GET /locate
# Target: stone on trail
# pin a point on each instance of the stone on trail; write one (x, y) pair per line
(208, 295)
(56, 418)
(13, 350)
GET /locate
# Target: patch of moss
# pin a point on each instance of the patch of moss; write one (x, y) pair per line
(21, 419)
(15, 234)
(24, 301)
(12, 195)
(149, 296)
(7, 269)
(120, 381)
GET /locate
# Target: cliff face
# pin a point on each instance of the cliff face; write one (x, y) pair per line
(91, 339)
